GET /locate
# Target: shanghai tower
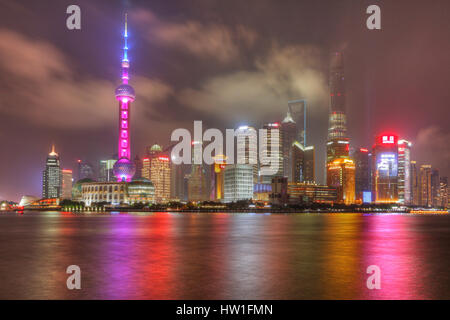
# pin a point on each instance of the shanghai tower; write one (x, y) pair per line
(124, 168)
(340, 168)
(338, 142)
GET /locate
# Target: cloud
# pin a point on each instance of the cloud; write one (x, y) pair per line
(283, 74)
(432, 147)
(214, 41)
(45, 90)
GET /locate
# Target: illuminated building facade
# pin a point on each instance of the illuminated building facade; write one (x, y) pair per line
(415, 184)
(67, 180)
(435, 189)
(117, 193)
(341, 175)
(51, 176)
(106, 170)
(273, 139)
(304, 193)
(425, 192)
(338, 142)
(220, 162)
(138, 166)
(247, 146)
(238, 182)
(404, 172)
(140, 190)
(160, 176)
(302, 163)
(177, 181)
(124, 168)
(444, 192)
(197, 185)
(362, 158)
(385, 169)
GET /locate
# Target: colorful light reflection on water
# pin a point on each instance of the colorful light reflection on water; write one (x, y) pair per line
(224, 256)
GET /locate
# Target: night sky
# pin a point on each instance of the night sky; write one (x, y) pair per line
(227, 63)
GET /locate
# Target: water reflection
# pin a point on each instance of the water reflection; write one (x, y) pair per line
(224, 256)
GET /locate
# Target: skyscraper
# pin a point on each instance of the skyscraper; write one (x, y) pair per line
(341, 175)
(338, 142)
(138, 166)
(302, 163)
(51, 176)
(273, 139)
(66, 184)
(385, 169)
(297, 113)
(160, 176)
(197, 185)
(238, 182)
(106, 170)
(415, 184)
(289, 128)
(86, 170)
(425, 192)
(220, 162)
(444, 191)
(362, 158)
(247, 147)
(435, 189)
(404, 172)
(124, 168)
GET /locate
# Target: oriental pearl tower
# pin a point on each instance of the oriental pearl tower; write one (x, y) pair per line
(124, 168)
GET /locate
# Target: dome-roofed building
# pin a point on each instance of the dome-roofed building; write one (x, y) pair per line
(76, 189)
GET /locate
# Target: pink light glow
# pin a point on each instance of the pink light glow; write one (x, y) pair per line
(125, 100)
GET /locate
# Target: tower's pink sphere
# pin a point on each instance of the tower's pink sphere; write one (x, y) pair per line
(124, 170)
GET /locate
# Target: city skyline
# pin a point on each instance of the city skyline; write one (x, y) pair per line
(424, 130)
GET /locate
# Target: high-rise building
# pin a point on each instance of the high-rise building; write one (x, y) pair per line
(341, 175)
(415, 184)
(138, 165)
(67, 181)
(302, 163)
(146, 168)
(273, 140)
(435, 188)
(156, 167)
(338, 142)
(217, 177)
(289, 128)
(124, 168)
(425, 191)
(247, 147)
(238, 182)
(385, 169)
(197, 184)
(51, 176)
(86, 170)
(297, 113)
(404, 172)
(160, 176)
(444, 192)
(106, 170)
(362, 158)
(177, 180)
